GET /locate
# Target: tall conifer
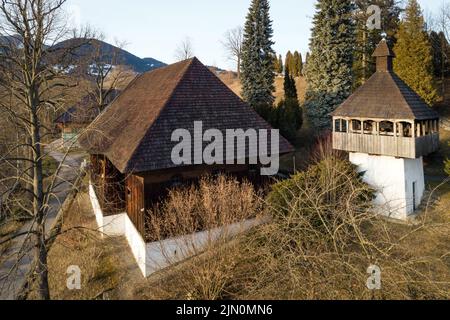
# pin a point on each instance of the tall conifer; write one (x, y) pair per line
(257, 56)
(414, 58)
(329, 68)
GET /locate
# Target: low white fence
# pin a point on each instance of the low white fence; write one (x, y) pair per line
(153, 257)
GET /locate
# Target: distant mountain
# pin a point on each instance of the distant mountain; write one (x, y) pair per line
(110, 53)
(9, 41)
(153, 63)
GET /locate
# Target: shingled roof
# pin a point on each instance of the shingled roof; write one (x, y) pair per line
(135, 131)
(385, 95)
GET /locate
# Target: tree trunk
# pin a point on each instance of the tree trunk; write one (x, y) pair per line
(239, 67)
(443, 58)
(38, 203)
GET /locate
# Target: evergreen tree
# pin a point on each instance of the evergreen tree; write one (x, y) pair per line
(441, 51)
(288, 62)
(329, 68)
(296, 64)
(289, 115)
(257, 56)
(414, 59)
(300, 65)
(280, 64)
(290, 89)
(367, 40)
(276, 64)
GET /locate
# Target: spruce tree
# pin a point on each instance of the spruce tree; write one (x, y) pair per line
(367, 40)
(329, 68)
(257, 56)
(414, 59)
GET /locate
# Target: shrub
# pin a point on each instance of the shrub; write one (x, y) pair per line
(214, 202)
(330, 193)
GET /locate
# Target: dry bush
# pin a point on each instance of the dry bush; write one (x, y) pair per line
(319, 244)
(209, 273)
(213, 203)
(324, 237)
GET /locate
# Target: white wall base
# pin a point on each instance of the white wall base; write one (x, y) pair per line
(119, 225)
(393, 178)
(153, 257)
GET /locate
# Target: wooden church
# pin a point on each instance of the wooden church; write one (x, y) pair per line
(387, 129)
(130, 142)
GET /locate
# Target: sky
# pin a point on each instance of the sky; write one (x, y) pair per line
(154, 28)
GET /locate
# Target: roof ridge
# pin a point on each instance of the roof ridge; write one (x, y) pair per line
(189, 63)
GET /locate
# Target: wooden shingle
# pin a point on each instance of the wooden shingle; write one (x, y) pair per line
(385, 95)
(135, 131)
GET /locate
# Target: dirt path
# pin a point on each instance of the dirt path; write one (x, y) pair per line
(14, 269)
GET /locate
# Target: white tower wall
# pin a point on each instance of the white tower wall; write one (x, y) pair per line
(400, 182)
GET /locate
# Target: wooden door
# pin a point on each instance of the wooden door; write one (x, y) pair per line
(135, 202)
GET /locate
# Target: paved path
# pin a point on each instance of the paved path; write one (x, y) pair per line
(14, 270)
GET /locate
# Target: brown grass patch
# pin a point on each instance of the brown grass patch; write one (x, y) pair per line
(97, 258)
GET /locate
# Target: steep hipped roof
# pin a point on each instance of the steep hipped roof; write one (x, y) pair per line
(385, 95)
(135, 131)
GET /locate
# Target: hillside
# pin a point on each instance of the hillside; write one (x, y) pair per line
(231, 80)
(112, 53)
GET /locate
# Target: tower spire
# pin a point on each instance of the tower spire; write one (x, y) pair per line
(384, 56)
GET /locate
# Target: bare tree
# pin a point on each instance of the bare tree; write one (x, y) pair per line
(105, 69)
(34, 72)
(185, 50)
(233, 46)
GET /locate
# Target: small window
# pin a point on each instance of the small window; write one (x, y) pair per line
(369, 127)
(356, 126)
(344, 126)
(387, 128)
(337, 125)
(405, 129)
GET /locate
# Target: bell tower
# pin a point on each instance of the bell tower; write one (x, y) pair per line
(387, 129)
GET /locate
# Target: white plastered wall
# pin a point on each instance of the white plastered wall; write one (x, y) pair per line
(152, 257)
(393, 178)
(120, 225)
